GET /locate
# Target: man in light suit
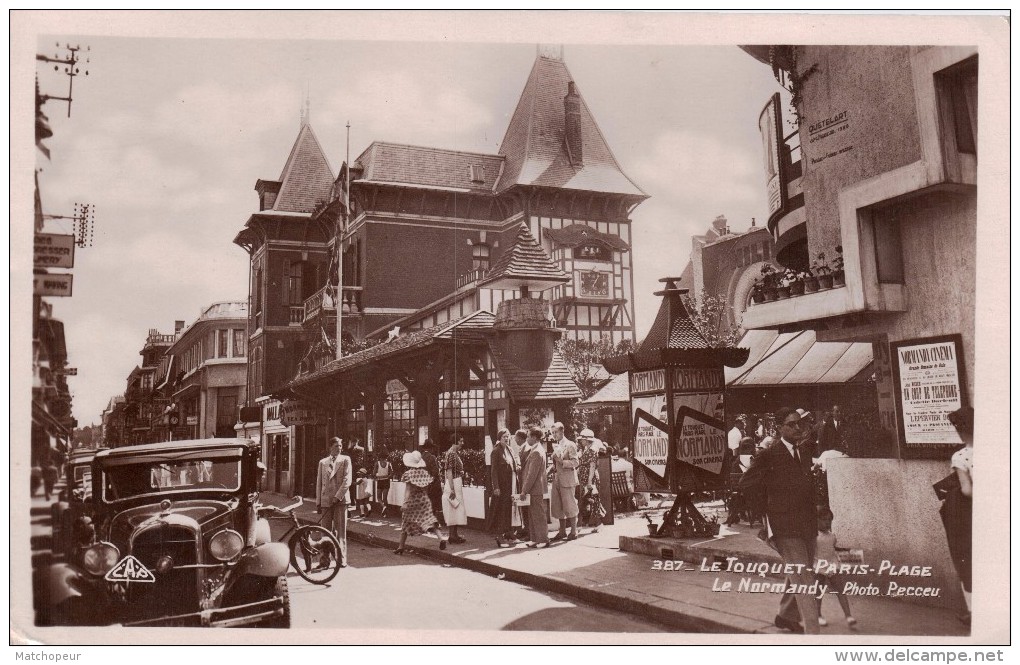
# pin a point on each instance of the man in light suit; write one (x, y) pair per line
(780, 480)
(334, 480)
(564, 485)
(533, 485)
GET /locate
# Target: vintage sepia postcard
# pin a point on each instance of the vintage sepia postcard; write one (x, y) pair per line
(492, 327)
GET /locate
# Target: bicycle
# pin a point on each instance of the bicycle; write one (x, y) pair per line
(316, 546)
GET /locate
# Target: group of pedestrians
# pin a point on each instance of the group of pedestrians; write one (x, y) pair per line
(520, 480)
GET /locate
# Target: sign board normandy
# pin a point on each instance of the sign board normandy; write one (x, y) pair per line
(53, 250)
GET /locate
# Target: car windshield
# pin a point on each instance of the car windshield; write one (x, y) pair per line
(131, 480)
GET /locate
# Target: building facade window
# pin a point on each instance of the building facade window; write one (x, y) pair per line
(957, 87)
(293, 278)
(480, 256)
(238, 350)
(592, 253)
(258, 290)
(888, 247)
(221, 343)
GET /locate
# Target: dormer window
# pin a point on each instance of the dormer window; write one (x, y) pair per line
(477, 174)
(480, 256)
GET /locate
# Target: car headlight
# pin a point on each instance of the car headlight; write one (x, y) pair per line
(100, 558)
(225, 545)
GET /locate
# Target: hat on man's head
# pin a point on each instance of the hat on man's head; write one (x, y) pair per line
(413, 460)
(586, 434)
(804, 414)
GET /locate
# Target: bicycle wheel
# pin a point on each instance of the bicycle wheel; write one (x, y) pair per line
(315, 554)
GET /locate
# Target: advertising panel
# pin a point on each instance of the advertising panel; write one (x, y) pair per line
(770, 126)
(929, 383)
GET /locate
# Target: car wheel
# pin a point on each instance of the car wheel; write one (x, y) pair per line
(280, 590)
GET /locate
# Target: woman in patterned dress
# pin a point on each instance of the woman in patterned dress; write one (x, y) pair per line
(453, 490)
(591, 509)
(417, 516)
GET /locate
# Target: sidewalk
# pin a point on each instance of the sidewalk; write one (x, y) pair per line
(594, 570)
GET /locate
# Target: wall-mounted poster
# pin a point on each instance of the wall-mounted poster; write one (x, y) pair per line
(930, 385)
(770, 125)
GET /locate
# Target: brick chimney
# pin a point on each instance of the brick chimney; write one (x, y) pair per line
(572, 126)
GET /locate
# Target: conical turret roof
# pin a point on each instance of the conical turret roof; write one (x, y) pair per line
(534, 145)
(525, 263)
(307, 178)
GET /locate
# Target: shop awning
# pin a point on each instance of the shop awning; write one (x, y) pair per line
(798, 358)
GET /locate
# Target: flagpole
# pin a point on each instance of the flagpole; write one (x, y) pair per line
(340, 245)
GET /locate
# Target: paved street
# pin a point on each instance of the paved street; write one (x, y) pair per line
(383, 590)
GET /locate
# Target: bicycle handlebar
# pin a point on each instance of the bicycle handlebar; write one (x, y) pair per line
(298, 502)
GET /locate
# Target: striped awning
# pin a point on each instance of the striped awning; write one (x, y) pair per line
(798, 358)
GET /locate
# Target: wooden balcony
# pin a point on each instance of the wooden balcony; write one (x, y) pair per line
(321, 303)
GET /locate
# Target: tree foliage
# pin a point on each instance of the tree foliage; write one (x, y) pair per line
(584, 359)
(712, 318)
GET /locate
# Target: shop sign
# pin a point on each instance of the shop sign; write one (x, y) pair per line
(191, 420)
(58, 285)
(685, 380)
(53, 250)
(770, 124)
(929, 383)
(297, 413)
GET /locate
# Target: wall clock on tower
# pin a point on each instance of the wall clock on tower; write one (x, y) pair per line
(594, 284)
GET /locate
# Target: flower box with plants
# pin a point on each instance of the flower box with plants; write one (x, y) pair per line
(765, 287)
(830, 273)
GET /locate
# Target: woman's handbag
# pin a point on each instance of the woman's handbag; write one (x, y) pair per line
(944, 487)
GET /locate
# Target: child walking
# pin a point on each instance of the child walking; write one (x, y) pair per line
(363, 494)
(825, 548)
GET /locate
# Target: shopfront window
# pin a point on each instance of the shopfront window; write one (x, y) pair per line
(398, 419)
(464, 408)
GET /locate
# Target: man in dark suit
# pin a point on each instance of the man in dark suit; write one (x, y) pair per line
(780, 480)
(832, 432)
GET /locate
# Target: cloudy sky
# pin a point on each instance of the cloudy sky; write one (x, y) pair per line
(167, 137)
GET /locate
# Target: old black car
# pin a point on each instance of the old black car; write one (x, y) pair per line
(74, 503)
(174, 540)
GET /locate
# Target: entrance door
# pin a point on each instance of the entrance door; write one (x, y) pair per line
(314, 446)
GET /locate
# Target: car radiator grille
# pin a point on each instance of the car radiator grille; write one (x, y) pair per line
(173, 592)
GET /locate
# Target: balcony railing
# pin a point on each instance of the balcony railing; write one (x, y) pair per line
(472, 276)
(321, 302)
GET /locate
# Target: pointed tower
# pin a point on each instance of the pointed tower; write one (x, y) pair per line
(553, 140)
(306, 179)
(290, 258)
(559, 169)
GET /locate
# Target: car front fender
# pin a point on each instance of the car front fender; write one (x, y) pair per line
(66, 581)
(269, 560)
